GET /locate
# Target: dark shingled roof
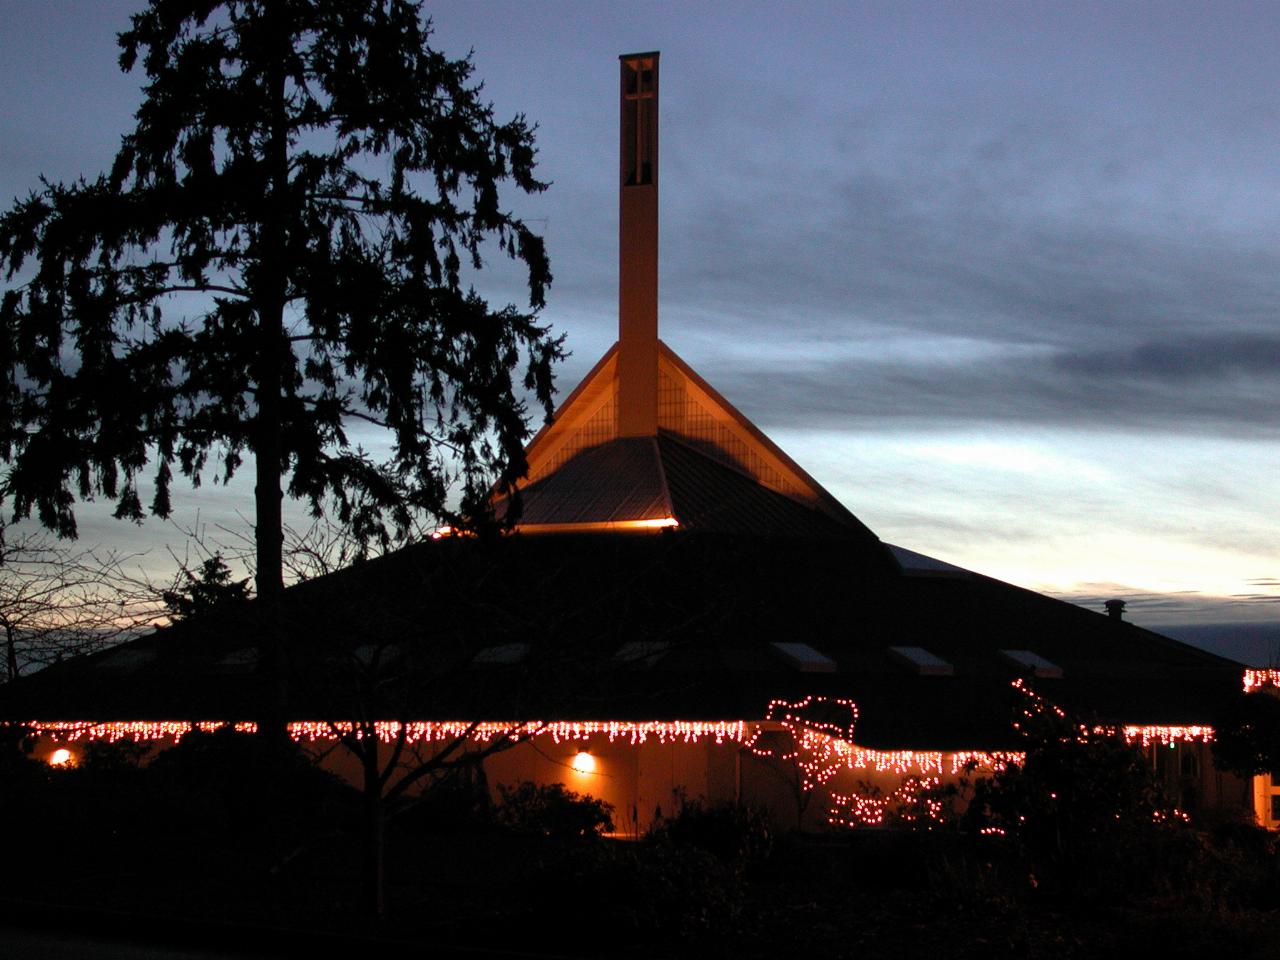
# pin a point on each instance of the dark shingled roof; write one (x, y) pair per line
(653, 478)
(706, 610)
(618, 480)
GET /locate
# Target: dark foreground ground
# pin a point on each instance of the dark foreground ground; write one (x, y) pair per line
(222, 848)
(497, 895)
(31, 942)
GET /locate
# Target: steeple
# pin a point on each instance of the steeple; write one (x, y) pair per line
(638, 247)
(613, 458)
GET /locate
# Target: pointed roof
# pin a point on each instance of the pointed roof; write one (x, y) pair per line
(706, 467)
(650, 483)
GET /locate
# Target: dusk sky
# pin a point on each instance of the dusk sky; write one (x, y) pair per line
(1003, 277)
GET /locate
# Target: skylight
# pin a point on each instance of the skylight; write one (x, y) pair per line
(126, 659)
(923, 662)
(501, 655)
(804, 658)
(641, 652)
(1032, 663)
(381, 653)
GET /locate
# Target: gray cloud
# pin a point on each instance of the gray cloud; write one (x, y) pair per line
(1094, 222)
(1179, 607)
(1099, 297)
(1062, 389)
(1182, 359)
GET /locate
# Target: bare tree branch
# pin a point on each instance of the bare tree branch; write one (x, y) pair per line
(58, 601)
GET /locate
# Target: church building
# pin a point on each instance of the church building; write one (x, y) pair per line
(681, 611)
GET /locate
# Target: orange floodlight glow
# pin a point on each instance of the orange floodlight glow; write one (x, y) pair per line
(60, 757)
(601, 526)
(583, 762)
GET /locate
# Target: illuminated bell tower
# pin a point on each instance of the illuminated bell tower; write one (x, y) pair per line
(638, 247)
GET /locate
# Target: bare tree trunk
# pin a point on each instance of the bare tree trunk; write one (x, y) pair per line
(373, 890)
(10, 652)
(270, 292)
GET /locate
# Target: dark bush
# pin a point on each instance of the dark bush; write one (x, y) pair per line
(672, 893)
(1080, 800)
(246, 789)
(648, 892)
(121, 758)
(1084, 816)
(24, 781)
(1247, 737)
(457, 802)
(552, 810)
(106, 791)
(736, 835)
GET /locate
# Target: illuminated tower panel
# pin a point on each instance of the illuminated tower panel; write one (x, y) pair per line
(638, 247)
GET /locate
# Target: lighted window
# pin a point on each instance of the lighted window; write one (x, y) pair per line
(922, 661)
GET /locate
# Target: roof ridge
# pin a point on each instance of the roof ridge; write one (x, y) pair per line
(662, 475)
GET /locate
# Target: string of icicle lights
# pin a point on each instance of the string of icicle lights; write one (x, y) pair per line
(422, 731)
(818, 740)
(820, 749)
(823, 747)
(1257, 679)
(1165, 735)
(138, 731)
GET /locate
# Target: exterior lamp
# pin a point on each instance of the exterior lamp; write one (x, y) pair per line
(60, 757)
(583, 762)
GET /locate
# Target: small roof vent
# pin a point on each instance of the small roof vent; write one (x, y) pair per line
(1030, 662)
(804, 658)
(923, 662)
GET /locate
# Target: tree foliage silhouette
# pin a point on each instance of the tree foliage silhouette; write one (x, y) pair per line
(1247, 736)
(211, 587)
(283, 247)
